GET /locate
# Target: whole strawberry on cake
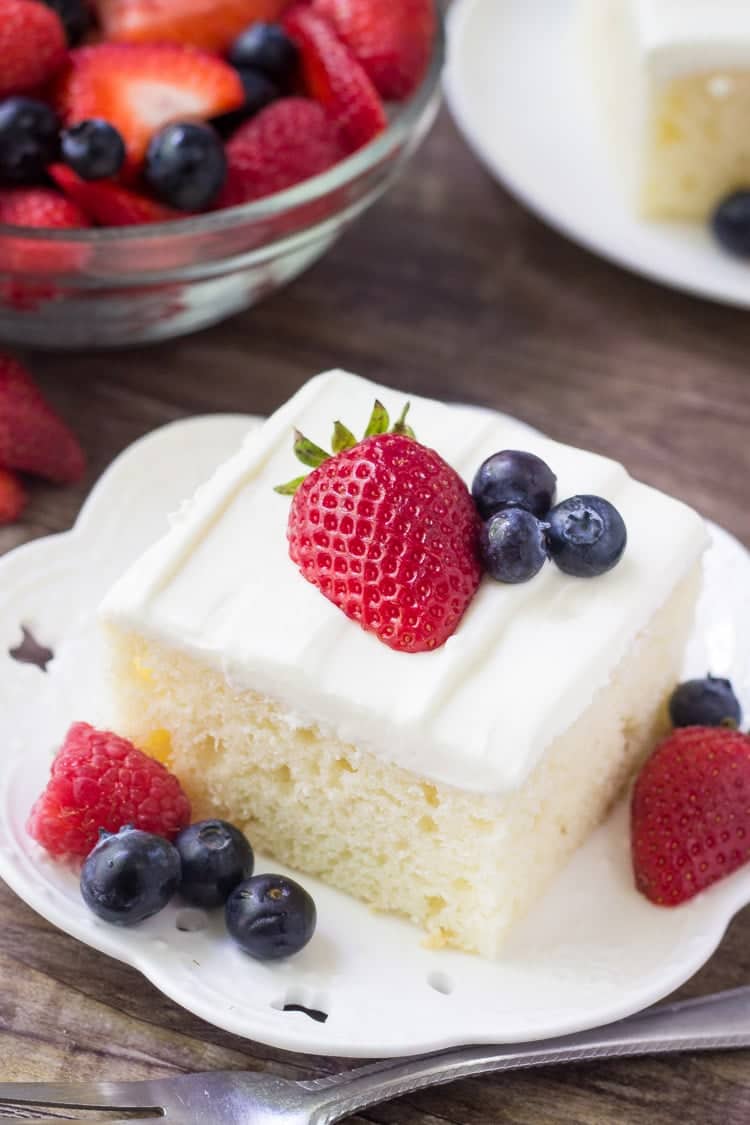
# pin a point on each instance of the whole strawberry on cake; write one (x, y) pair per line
(423, 666)
(123, 112)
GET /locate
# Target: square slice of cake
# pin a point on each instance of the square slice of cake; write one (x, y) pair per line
(450, 785)
(673, 79)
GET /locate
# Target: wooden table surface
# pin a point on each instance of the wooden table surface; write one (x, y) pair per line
(447, 288)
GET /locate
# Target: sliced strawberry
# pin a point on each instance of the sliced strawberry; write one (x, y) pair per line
(335, 79)
(210, 24)
(392, 41)
(40, 207)
(286, 143)
(13, 497)
(32, 45)
(109, 204)
(141, 88)
(33, 439)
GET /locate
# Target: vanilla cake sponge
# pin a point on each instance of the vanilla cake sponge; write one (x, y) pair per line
(449, 786)
(673, 78)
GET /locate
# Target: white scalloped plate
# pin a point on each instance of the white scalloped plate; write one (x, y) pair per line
(593, 950)
(530, 116)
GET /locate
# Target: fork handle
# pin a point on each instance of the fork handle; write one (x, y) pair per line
(720, 1021)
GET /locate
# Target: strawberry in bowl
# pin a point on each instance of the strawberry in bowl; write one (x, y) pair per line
(239, 136)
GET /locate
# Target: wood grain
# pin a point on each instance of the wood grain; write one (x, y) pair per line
(447, 288)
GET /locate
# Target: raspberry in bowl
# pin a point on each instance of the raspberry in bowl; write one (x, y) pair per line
(161, 171)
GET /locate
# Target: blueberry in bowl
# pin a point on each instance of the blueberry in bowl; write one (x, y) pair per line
(213, 207)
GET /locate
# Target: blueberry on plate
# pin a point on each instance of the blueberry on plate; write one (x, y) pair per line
(29, 140)
(513, 479)
(265, 47)
(130, 876)
(185, 165)
(705, 703)
(586, 536)
(731, 223)
(270, 917)
(215, 857)
(94, 149)
(513, 545)
(75, 16)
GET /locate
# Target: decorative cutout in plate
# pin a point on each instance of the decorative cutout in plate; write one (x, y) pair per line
(592, 951)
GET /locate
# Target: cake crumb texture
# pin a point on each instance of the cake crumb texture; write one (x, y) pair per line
(463, 866)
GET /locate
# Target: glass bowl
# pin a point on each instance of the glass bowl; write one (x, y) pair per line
(128, 285)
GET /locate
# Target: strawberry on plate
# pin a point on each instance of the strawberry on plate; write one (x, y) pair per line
(139, 89)
(388, 532)
(108, 203)
(13, 497)
(392, 41)
(286, 143)
(33, 46)
(210, 24)
(334, 78)
(690, 813)
(33, 439)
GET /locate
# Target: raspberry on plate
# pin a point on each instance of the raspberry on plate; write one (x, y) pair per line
(138, 89)
(286, 143)
(32, 437)
(101, 781)
(12, 497)
(690, 813)
(335, 78)
(388, 532)
(33, 45)
(210, 24)
(391, 41)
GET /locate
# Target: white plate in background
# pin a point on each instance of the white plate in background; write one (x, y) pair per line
(528, 114)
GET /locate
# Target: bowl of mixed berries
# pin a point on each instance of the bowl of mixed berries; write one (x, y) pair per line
(166, 163)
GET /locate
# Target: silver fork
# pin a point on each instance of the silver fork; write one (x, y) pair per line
(715, 1022)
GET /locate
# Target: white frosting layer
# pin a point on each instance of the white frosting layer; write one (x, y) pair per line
(477, 713)
(680, 37)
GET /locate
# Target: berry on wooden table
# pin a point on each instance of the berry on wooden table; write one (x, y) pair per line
(29, 140)
(93, 149)
(185, 165)
(13, 497)
(33, 439)
(130, 876)
(101, 781)
(33, 46)
(334, 78)
(710, 702)
(392, 41)
(690, 813)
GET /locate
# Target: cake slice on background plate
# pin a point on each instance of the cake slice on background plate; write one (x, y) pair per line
(441, 761)
(673, 79)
